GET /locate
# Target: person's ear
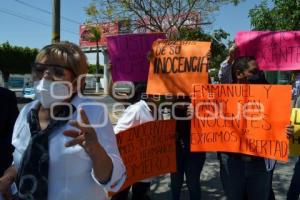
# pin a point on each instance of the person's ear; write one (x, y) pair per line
(239, 75)
(74, 86)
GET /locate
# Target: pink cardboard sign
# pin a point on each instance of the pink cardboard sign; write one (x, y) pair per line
(128, 55)
(278, 51)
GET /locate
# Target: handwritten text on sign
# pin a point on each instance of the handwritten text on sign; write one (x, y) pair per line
(177, 65)
(148, 150)
(248, 119)
(272, 50)
(128, 55)
(295, 138)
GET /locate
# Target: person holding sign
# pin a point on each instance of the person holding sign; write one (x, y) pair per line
(175, 66)
(226, 76)
(189, 164)
(137, 113)
(245, 176)
(294, 189)
(65, 147)
(226, 72)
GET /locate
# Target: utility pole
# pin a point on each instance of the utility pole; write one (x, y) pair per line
(106, 73)
(55, 21)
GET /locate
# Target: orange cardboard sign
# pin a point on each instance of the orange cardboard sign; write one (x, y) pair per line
(176, 66)
(241, 118)
(148, 150)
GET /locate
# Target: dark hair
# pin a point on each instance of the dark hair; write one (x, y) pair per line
(140, 88)
(240, 65)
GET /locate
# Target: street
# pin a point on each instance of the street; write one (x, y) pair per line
(211, 185)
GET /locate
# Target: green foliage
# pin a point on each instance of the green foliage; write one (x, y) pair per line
(154, 15)
(95, 33)
(92, 69)
(14, 59)
(92, 10)
(219, 50)
(276, 15)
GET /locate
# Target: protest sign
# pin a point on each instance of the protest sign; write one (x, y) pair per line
(273, 50)
(295, 138)
(148, 150)
(242, 118)
(128, 55)
(176, 65)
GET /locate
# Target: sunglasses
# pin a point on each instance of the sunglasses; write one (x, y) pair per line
(56, 71)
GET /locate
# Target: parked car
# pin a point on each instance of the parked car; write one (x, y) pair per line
(16, 84)
(29, 93)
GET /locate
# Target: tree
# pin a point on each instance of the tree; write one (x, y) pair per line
(167, 16)
(94, 36)
(14, 59)
(93, 69)
(276, 15)
(219, 50)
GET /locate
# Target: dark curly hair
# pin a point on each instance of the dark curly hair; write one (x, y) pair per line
(240, 65)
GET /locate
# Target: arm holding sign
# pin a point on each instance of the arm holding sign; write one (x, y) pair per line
(225, 72)
(289, 131)
(297, 104)
(232, 50)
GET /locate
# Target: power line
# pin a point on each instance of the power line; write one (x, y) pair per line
(27, 18)
(46, 11)
(23, 17)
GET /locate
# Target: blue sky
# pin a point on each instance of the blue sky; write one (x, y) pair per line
(37, 34)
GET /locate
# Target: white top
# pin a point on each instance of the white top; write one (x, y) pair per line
(134, 115)
(70, 169)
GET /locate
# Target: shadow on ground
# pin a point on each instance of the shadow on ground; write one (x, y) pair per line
(211, 185)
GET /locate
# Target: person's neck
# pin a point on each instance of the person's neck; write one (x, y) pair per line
(44, 117)
(44, 110)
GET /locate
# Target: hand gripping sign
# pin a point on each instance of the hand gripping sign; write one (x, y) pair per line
(295, 138)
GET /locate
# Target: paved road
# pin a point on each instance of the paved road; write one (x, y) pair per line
(211, 186)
